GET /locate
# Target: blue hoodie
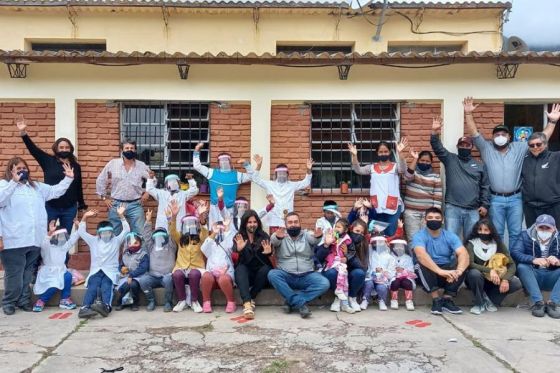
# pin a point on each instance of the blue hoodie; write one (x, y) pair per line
(527, 247)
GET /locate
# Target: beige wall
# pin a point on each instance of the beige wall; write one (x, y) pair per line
(235, 31)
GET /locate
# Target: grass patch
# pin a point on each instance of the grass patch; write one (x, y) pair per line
(277, 366)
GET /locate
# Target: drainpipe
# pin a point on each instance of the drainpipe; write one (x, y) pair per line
(381, 20)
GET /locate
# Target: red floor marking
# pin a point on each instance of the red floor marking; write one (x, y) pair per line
(55, 315)
(423, 324)
(237, 318)
(243, 321)
(65, 315)
(412, 322)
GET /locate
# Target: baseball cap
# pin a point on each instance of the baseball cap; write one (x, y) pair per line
(466, 140)
(546, 220)
(499, 128)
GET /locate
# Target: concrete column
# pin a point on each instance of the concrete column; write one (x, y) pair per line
(260, 144)
(66, 119)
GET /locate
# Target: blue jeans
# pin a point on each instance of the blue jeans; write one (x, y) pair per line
(381, 289)
(47, 295)
(298, 290)
(507, 210)
(134, 214)
(536, 279)
(460, 220)
(64, 215)
(356, 278)
(98, 281)
(391, 219)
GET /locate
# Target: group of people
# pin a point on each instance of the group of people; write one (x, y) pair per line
(385, 243)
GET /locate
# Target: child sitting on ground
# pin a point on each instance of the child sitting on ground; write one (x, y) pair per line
(53, 274)
(135, 262)
(380, 272)
(404, 275)
(104, 269)
(219, 267)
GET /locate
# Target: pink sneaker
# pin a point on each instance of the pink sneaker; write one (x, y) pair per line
(231, 307)
(206, 307)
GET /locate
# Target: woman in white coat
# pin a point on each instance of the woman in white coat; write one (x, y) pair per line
(23, 219)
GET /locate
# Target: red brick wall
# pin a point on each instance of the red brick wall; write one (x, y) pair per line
(230, 131)
(40, 121)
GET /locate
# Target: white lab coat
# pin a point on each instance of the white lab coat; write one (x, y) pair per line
(405, 261)
(23, 216)
(219, 255)
(325, 225)
(51, 272)
(283, 194)
(163, 196)
(386, 261)
(104, 256)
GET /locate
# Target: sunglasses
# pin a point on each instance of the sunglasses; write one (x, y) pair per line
(536, 145)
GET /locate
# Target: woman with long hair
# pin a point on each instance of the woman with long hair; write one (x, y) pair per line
(251, 272)
(489, 285)
(23, 220)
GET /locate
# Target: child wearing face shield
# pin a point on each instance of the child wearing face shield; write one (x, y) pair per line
(380, 272)
(404, 275)
(219, 267)
(53, 274)
(104, 250)
(190, 263)
(329, 218)
(163, 252)
(135, 262)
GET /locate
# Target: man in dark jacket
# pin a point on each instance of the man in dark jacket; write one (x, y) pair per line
(467, 195)
(537, 255)
(541, 180)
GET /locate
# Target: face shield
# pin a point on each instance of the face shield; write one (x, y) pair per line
(133, 242)
(379, 244)
(172, 183)
(241, 206)
(105, 234)
(190, 226)
(281, 174)
(224, 161)
(160, 238)
(59, 237)
(399, 247)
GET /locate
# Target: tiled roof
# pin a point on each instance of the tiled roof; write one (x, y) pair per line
(442, 4)
(408, 58)
(180, 3)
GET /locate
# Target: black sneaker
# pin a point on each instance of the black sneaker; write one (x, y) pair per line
(134, 307)
(9, 310)
(86, 313)
(102, 309)
(552, 310)
(287, 308)
(304, 312)
(448, 306)
(26, 307)
(436, 306)
(538, 309)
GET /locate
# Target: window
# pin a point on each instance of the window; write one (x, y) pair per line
(530, 115)
(166, 134)
(334, 125)
(419, 48)
(70, 47)
(314, 48)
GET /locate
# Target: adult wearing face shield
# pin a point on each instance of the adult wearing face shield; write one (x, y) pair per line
(537, 255)
(170, 190)
(541, 180)
(467, 194)
(241, 206)
(281, 188)
(504, 161)
(23, 222)
(225, 177)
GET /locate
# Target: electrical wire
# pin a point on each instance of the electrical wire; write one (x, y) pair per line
(441, 32)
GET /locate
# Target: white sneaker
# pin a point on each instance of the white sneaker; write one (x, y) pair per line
(345, 306)
(335, 306)
(382, 306)
(477, 310)
(180, 306)
(340, 294)
(364, 305)
(409, 305)
(354, 304)
(394, 304)
(196, 307)
(488, 305)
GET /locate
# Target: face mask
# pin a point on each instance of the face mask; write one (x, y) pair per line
(63, 154)
(251, 229)
(383, 158)
(434, 225)
(500, 141)
(356, 238)
(399, 250)
(133, 243)
(423, 166)
(129, 154)
(225, 165)
(106, 236)
(173, 185)
(464, 153)
(294, 231)
(544, 235)
(281, 176)
(485, 237)
(23, 176)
